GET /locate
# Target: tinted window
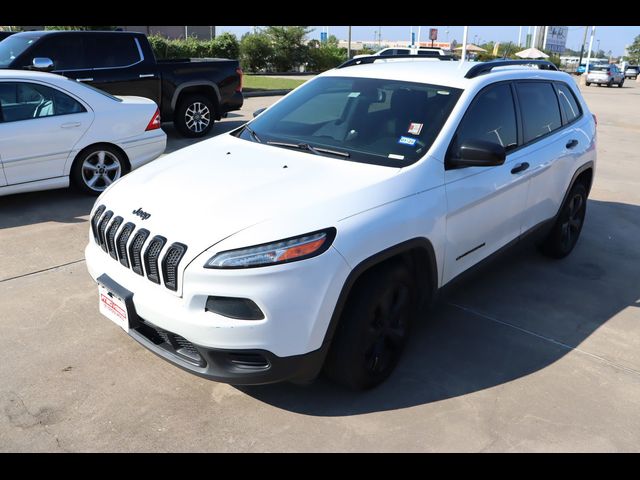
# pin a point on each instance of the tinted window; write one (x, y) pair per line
(540, 112)
(66, 51)
(402, 51)
(385, 122)
(12, 47)
(491, 118)
(386, 53)
(24, 101)
(112, 50)
(568, 102)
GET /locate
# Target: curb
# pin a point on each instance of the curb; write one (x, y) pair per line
(265, 93)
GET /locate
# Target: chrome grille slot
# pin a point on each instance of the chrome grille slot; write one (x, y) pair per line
(135, 250)
(94, 222)
(151, 255)
(102, 226)
(110, 237)
(121, 242)
(170, 264)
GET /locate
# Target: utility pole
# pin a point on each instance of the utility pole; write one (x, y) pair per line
(379, 36)
(593, 34)
(464, 45)
(519, 35)
(546, 34)
(349, 45)
(584, 40)
(533, 39)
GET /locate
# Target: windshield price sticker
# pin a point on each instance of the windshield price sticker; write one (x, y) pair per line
(415, 128)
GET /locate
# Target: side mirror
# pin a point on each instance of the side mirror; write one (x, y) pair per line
(477, 153)
(42, 63)
(259, 111)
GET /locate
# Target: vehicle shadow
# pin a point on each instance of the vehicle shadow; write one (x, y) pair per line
(63, 206)
(511, 318)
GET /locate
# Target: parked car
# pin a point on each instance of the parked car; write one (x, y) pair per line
(4, 35)
(55, 131)
(422, 51)
(632, 71)
(191, 93)
(608, 75)
(317, 233)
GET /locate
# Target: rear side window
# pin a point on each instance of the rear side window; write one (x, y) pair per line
(112, 50)
(540, 112)
(568, 103)
(491, 118)
(26, 101)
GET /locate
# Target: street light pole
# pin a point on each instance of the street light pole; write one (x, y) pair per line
(519, 36)
(593, 34)
(349, 45)
(464, 45)
(584, 40)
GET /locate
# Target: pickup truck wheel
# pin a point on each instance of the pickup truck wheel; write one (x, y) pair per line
(97, 167)
(565, 232)
(194, 116)
(373, 328)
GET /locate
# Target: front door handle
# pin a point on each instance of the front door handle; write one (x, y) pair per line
(572, 143)
(84, 79)
(70, 125)
(520, 168)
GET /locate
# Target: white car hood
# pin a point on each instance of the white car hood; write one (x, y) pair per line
(204, 193)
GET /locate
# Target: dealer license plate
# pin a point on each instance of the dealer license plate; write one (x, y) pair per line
(113, 307)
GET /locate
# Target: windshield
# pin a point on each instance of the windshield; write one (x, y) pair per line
(13, 46)
(384, 122)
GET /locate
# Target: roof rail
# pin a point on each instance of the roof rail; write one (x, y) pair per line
(373, 58)
(486, 67)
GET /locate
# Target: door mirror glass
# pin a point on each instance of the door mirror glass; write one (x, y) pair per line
(43, 64)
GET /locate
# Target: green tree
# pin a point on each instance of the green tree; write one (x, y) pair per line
(324, 56)
(86, 27)
(225, 45)
(256, 51)
(289, 47)
(634, 51)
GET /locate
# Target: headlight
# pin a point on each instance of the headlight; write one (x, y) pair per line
(282, 251)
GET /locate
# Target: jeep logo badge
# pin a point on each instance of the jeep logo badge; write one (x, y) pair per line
(141, 213)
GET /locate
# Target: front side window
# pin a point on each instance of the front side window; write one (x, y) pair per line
(540, 112)
(12, 47)
(490, 118)
(568, 103)
(384, 122)
(28, 101)
(66, 51)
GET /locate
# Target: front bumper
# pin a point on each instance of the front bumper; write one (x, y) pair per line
(297, 299)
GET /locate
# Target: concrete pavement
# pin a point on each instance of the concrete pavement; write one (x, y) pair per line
(529, 354)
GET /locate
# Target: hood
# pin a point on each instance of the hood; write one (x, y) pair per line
(204, 193)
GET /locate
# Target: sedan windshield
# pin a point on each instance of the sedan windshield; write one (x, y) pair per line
(384, 122)
(13, 46)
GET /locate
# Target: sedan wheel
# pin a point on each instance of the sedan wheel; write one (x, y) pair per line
(96, 168)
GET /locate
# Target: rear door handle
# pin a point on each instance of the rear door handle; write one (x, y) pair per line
(520, 168)
(84, 79)
(146, 75)
(572, 143)
(70, 125)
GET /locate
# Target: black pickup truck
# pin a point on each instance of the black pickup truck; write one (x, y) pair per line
(191, 93)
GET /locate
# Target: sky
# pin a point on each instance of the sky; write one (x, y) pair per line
(611, 38)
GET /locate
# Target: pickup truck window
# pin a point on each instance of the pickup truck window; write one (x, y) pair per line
(116, 51)
(66, 51)
(384, 122)
(12, 47)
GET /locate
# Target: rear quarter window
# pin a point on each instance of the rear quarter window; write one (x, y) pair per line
(540, 110)
(568, 103)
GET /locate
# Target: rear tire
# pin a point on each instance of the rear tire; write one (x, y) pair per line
(588, 84)
(373, 328)
(566, 231)
(96, 167)
(194, 116)
(621, 83)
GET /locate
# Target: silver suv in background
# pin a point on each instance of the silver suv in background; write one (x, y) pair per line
(631, 71)
(608, 75)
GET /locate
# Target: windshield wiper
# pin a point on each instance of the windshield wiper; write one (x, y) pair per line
(253, 134)
(309, 148)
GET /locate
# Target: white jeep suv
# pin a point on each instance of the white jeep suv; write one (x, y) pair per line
(314, 235)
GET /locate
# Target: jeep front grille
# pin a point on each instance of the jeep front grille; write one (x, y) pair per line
(125, 244)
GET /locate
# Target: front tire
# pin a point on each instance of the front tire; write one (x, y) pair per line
(373, 328)
(566, 231)
(97, 167)
(621, 83)
(588, 84)
(194, 116)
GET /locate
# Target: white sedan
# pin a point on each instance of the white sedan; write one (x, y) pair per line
(55, 131)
